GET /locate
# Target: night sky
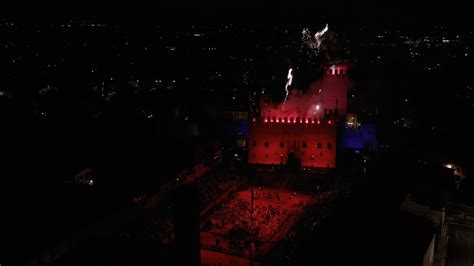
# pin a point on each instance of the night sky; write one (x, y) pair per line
(142, 94)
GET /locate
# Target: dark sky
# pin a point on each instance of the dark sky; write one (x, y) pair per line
(407, 13)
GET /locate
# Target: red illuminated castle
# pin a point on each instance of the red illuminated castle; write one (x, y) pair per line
(304, 127)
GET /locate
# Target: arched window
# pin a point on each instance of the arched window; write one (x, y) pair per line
(282, 144)
(254, 143)
(329, 146)
(319, 146)
(304, 144)
(266, 144)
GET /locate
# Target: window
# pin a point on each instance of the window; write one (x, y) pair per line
(253, 155)
(304, 144)
(319, 145)
(320, 154)
(266, 155)
(266, 144)
(312, 157)
(254, 143)
(329, 146)
(282, 144)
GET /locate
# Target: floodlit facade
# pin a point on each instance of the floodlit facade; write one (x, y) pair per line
(304, 127)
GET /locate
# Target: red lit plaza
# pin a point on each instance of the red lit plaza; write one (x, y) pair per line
(237, 230)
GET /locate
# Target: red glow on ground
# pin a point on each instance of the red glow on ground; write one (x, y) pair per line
(209, 257)
(272, 219)
(274, 212)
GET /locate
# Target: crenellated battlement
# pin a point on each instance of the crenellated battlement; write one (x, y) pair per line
(336, 70)
(329, 120)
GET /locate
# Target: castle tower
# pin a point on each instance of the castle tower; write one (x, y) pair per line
(303, 128)
(333, 88)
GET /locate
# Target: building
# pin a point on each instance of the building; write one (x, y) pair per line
(359, 137)
(332, 89)
(235, 125)
(277, 142)
(302, 129)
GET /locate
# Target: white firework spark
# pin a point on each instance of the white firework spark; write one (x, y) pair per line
(288, 82)
(320, 34)
(314, 42)
(308, 39)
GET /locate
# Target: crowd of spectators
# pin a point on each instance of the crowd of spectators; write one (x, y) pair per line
(248, 228)
(284, 252)
(212, 186)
